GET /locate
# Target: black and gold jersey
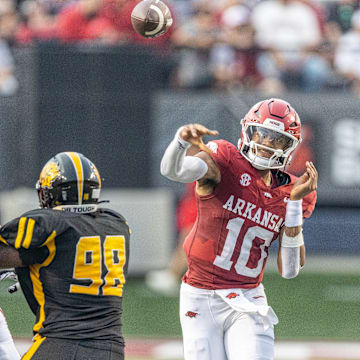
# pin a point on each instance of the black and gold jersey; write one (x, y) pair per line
(75, 273)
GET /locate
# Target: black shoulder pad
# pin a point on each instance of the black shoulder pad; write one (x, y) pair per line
(112, 213)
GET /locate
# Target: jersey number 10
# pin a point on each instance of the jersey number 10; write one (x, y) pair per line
(87, 265)
(241, 267)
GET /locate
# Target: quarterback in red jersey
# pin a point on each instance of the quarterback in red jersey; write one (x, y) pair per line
(245, 202)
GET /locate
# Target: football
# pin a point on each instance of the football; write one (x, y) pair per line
(151, 18)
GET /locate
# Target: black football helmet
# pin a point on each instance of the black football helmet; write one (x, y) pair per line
(69, 181)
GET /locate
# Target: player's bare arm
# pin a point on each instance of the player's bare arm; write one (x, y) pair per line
(177, 166)
(292, 248)
(9, 257)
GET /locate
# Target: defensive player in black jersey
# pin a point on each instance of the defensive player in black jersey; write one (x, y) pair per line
(71, 257)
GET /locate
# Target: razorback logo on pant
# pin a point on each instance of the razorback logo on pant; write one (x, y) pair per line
(232, 295)
(191, 314)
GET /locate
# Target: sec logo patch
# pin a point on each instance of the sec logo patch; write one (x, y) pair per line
(245, 179)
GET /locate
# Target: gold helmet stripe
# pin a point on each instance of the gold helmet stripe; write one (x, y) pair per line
(75, 158)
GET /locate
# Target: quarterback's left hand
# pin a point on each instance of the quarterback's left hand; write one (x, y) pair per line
(306, 183)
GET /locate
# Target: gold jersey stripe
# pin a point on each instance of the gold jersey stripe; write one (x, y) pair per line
(75, 158)
(35, 278)
(20, 233)
(29, 233)
(3, 240)
(38, 340)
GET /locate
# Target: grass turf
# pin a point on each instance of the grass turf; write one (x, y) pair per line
(312, 306)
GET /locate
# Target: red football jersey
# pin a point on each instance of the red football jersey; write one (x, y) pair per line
(229, 243)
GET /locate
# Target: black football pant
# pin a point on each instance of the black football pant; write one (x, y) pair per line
(59, 349)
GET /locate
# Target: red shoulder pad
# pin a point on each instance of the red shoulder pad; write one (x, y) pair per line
(221, 152)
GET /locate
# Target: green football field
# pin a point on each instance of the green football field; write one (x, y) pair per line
(310, 307)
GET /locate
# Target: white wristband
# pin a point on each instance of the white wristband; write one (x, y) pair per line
(294, 213)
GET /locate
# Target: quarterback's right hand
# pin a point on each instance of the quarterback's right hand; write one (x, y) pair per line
(193, 133)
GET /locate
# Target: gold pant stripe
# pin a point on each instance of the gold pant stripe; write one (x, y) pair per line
(75, 158)
(20, 233)
(38, 341)
(29, 233)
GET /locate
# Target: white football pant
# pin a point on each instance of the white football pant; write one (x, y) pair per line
(7, 347)
(230, 324)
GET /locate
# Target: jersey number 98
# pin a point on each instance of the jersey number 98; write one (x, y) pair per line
(87, 265)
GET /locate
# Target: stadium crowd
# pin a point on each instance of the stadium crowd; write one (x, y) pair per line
(268, 45)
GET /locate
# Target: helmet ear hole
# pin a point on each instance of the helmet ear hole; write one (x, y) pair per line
(43, 198)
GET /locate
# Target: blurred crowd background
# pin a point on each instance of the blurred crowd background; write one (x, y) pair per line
(266, 45)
